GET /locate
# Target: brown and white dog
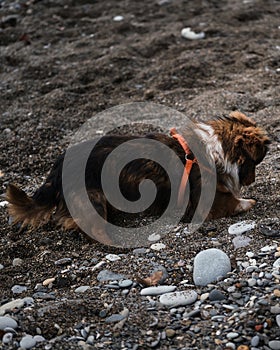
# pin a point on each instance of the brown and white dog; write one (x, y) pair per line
(234, 142)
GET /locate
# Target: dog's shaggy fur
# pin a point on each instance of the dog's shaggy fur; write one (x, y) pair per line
(234, 143)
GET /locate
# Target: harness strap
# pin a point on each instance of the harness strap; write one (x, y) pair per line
(188, 165)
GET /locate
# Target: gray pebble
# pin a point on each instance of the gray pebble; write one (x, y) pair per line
(63, 261)
(82, 289)
(17, 262)
(232, 335)
(230, 345)
(1, 266)
(17, 303)
(274, 344)
(17, 289)
(106, 275)
(216, 295)
(114, 318)
(7, 338)
(252, 282)
(209, 265)
(6, 321)
(275, 309)
(125, 283)
(27, 342)
(255, 340)
(278, 320)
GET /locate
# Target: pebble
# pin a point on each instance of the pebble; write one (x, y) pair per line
(274, 344)
(1, 266)
(275, 309)
(216, 295)
(118, 18)
(17, 289)
(187, 33)
(112, 257)
(252, 282)
(6, 321)
(125, 283)
(230, 345)
(7, 338)
(158, 246)
(114, 318)
(241, 227)
(48, 281)
(17, 262)
(232, 335)
(170, 333)
(63, 261)
(82, 289)
(255, 341)
(178, 298)
(17, 303)
(157, 290)
(276, 263)
(209, 265)
(27, 342)
(278, 320)
(106, 275)
(241, 241)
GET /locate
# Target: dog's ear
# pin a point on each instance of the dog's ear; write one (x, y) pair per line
(238, 141)
(242, 118)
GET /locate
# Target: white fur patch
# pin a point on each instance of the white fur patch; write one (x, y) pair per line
(215, 151)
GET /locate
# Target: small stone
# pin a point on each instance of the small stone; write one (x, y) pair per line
(216, 295)
(255, 341)
(16, 289)
(112, 257)
(39, 338)
(241, 241)
(63, 261)
(170, 332)
(243, 347)
(48, 281)
(114, 318)
(27, 342)
(276, 263)
(232, 335)
(1, 266)
(187, 33)
(158, 246)
(6, 321)
(17, 262)
(204, 296)
(252, 282)
(275, 309)
(82, 289)
(276, 292)
(17, 303)
(241, 227)
(158, 290)
(125, 283)
(178, 298)
(274, 344)
(7, 338)
(278, 320)
(250, 254)
(106, 275)
(209, 265)
(118, 18)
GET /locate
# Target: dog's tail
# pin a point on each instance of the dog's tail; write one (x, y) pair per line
(31, 211)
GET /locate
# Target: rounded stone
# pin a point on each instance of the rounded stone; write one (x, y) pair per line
(274, 344)
(82, 289)
(157, 290)
(125, 283)
(7, 338)
(216, 295)
(17, 262)
(209, 265)
(17, 289)
(255, 341)
(6, 321)
(241, 227)
(178, 298)
(27, 342)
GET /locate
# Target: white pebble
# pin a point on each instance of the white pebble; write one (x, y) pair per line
(158, 246)
(241, 227)
(3, 203)
(17, 303)
(187, 33)
(154, 237)
(178, 298)
(17, 262)
(82, 289)
(157, 290)
(7, 338)
(112, 257)
(118, 18)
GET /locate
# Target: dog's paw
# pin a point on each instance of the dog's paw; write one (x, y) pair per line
(244, 205)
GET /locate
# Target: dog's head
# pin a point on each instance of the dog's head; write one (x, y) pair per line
(243, 143)
(250, 146)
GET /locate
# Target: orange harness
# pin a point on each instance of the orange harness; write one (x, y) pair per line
(188, 165)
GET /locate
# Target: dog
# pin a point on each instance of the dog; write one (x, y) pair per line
(234, 142)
